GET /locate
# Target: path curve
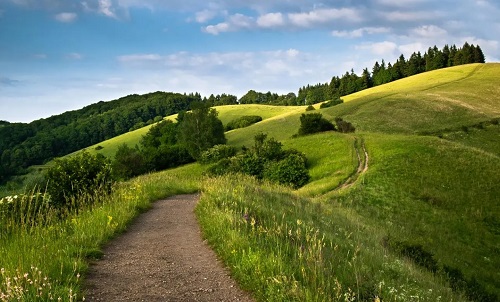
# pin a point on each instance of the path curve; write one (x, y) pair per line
(363, 158)
(161, 257)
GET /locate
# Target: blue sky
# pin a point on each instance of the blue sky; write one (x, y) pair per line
(59, 55)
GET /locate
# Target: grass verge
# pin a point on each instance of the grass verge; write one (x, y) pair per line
(44, 259)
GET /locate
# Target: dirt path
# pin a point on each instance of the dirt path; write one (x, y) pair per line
(362, 155)
(162, 257)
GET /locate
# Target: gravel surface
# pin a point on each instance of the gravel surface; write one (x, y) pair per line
(162, 257)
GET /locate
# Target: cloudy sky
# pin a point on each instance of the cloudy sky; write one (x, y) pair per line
(59, 55)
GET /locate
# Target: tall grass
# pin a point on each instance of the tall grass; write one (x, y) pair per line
(44, 256)
(439, 195)
(287, 248)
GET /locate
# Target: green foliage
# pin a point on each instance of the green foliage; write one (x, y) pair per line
(69, 179)
(267, 160)
(164, 132)
(344, 126)
(23, 145)
(290, 171)
(216, 153)
(310, 108)
(128, 162)
(331, 103)
(200, 129)
(314, 123)
(242, 122)
(161, 148)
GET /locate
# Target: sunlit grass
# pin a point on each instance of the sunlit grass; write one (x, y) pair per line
(38, 245)
(286, 248)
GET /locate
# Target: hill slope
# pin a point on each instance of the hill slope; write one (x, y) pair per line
(425, 217)
(437, 197)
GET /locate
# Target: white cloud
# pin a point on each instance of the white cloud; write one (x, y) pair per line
(406, 16)
(408, 49)
(271, 20)
(324, 16)
(385, 48)
(360, 32)
(429, 31)
(234, 23)
(218, 28)
(277, 70)
(205, 15)
(66, 17)
(401, 3)
(106, 8)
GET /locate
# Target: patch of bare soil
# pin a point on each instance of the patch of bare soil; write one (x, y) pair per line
(162, 257)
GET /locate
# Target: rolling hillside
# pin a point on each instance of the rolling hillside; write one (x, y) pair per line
(423, 219)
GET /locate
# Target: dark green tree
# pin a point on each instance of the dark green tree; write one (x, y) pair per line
(200, 129)
(128, 162)
(313, 123)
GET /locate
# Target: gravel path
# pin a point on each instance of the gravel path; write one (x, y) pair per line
(162, 257)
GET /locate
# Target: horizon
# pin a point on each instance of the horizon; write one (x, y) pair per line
(61, 55)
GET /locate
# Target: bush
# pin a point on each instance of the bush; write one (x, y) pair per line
(216, 153)
(242, 122)
(331, 103)
(79, 175)
(290, 171)
(314, 123)
(266, 160)
(310, 108)
(166, 156)
(343, 126)
(128, 163)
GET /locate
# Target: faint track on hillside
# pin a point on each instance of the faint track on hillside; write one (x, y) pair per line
(363, 158)
(476, 69)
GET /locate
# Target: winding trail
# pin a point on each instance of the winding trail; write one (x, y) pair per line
(162, 257)
(363, 158)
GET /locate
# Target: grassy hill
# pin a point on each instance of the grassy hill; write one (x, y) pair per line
(431, 190)
(431, 187)
(422, 223)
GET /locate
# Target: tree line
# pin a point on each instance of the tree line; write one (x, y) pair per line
(382, 73)
(23, 145)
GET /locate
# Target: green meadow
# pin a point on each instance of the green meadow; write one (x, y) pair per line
(422, 223)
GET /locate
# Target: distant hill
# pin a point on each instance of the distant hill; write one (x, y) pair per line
(24, 145)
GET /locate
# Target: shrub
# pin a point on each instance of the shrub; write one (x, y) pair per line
(290, 171)
(314, 123)
(79, 175)
(268, 149)
(128, 163)
(266, 160)
(331, 103)
(216, 153)
(250, 164)
(242, 122)
(310, 108)
(344, 126)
